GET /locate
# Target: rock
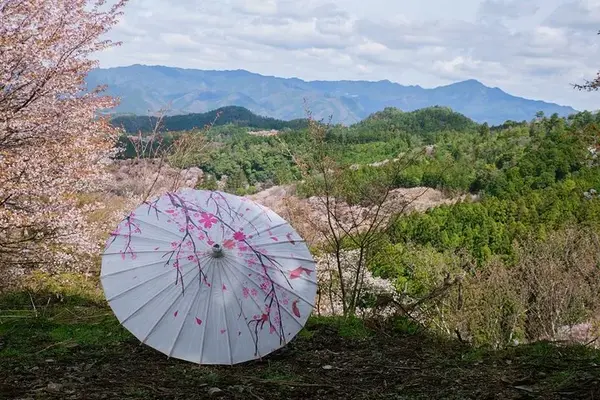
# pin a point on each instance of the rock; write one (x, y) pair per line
(191, 176)
(222, 183)
(525, 388)
(327, 367)
(54, 387)
(238, 388)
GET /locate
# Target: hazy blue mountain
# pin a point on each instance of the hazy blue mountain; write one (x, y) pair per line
(148, 88)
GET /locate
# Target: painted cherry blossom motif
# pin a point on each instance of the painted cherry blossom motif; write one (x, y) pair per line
(236, 278)
(297, 272)
(295, 308)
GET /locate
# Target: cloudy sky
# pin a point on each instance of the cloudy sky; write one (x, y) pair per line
(529, 48)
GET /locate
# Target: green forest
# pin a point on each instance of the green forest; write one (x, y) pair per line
(230, 115)
(530, 176)
(533, 180)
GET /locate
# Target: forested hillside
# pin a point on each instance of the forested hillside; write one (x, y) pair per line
(531, 176)
(233, 115)
(535, 181)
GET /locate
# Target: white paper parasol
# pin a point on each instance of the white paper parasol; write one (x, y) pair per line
(209, 277)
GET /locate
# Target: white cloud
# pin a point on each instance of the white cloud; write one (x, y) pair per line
(506, 9)
(179, 41)
(530, 48)
(576, 15)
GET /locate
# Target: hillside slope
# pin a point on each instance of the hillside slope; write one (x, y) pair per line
(235, 115)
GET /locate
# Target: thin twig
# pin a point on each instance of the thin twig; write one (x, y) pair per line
(33, 304)
(257, 397)
(53, 345)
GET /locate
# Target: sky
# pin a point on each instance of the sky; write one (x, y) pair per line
(530, 48)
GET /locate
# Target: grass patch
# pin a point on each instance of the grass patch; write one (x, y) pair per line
(59, 331)
(406, 326)
(40, 290)
(348, 328)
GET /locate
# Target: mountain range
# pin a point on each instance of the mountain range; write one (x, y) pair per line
(144, 89)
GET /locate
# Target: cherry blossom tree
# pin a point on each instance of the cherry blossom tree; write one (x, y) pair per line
(54, 143)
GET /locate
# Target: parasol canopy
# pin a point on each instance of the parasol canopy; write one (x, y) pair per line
(208, 277)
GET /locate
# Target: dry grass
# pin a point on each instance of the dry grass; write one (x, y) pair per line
(550, 294)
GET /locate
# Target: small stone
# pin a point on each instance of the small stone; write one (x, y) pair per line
(327, 367)
(238, 388)
(54, 387)
(213, 391)
(525, 388)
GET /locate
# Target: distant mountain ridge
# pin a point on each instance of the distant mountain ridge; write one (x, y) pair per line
(145, 88)
(235, 115)
(424, 120)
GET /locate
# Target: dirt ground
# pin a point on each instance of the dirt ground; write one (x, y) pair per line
(74, 352)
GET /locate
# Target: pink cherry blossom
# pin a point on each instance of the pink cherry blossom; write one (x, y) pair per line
(239, 236)
(207, 220)
(54, 143)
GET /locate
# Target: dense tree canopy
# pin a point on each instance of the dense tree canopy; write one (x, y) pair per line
(235, 115)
